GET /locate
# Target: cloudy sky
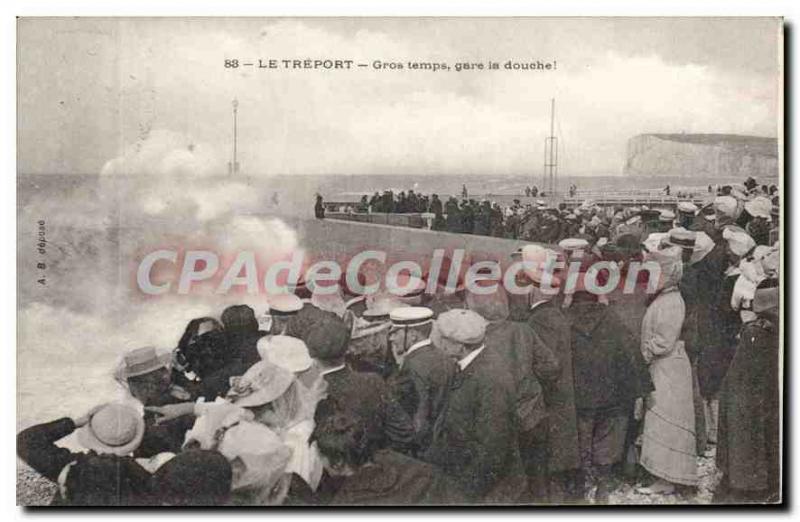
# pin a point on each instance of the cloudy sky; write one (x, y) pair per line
(154, 94)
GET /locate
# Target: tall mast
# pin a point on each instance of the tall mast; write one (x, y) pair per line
(233, 168)
(550, 177)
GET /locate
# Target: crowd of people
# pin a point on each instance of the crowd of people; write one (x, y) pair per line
(539, 221)
(417, 398)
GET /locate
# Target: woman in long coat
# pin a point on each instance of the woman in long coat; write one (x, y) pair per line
(749, 410)
(668, 445)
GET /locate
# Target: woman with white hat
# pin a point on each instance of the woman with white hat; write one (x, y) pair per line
(668, 441)
(105, 476)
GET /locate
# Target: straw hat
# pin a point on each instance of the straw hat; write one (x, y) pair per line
(285, 304)
(142, 361)
(261, 384)
(410, 316)
(115, 428)
(287, 352)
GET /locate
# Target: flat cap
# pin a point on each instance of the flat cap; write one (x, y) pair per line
(462, 326)
(687, 207)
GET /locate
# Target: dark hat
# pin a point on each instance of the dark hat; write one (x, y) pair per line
(328, 339)
(239, 317)
(194, 478)
(629, 243)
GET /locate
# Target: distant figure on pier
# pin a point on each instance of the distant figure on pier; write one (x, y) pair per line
(709, 189)
(573, 189)
(527, 192)
(374, 203)
(464, 193)
(666, 190)
(319, 209)
(534, 191)
(453, 219)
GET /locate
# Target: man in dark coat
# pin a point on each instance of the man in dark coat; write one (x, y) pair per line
(319, 208)
(424, 375)
(468, 216)
(369, 477)
(107, 475)
(610, 374)
(483, 219)
(437, 210)
(453, 220)
(748, 454)
(475, 438)
(364, 395)
(545, 318)
(533, 366)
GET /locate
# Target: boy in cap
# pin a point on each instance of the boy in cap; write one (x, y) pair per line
(362, 394)
(475, 438)
(424, 373)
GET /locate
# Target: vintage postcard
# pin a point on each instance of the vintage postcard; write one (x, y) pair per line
(399, 261)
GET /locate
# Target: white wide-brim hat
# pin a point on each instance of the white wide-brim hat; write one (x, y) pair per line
(115, 428)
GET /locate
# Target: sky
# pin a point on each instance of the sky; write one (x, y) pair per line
(152, 96)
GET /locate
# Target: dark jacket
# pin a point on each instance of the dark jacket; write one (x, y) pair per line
(531, 363)
(243, 344)
(422, 385)
(367, 396)
(609, 369)
(397, 480)
(748, 452)
(715, 357)
(475, 439)
(92, 479)
(552, 327)
(167, 436)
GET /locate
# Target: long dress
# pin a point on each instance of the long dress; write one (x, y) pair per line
(668, 442)
(749, 411)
